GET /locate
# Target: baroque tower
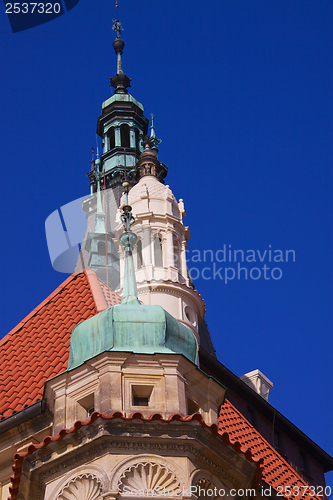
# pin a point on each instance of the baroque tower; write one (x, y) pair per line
(131, 400)
(160, 252)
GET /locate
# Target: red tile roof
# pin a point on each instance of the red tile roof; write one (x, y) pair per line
(277, 472)
(37, 348)
(19, 457)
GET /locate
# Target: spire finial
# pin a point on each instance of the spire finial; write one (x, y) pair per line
(92, 160)
(152, 128)
(128, 240)
(153, 137)
(117, 9)
(116, 23)
(100, 215)
(118, 44)
(120, 82)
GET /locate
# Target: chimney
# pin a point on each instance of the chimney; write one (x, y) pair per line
(258, 382)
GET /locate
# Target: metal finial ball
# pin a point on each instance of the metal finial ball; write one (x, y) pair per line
(118, 45)
(125, 184)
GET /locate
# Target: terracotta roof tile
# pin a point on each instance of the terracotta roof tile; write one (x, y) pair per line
(277, 471)
(37, 348)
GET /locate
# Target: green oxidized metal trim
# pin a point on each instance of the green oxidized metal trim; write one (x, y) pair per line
(131, 328)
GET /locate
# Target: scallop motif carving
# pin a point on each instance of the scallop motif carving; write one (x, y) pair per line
(148, 479)
(205, 490)
(85, 487)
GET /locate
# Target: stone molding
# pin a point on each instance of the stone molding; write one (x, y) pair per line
(120, 446)
(143, 475)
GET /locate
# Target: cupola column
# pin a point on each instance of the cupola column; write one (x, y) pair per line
(106, 144)
(132, 138)
(183, 260)
(117, 137)
(146, 247)
(168, 250)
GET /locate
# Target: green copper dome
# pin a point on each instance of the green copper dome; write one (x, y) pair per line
(131, 328)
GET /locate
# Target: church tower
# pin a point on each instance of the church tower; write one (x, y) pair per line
(131, 404)
(121, 126)
(160, 252)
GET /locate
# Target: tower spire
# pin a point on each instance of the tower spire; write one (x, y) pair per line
(120, 81)
(128, 240)
(153, 137)
(100, 215)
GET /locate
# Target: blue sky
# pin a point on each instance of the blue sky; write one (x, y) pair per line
(242, 97)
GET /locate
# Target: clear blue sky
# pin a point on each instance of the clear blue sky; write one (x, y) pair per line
(242, 95)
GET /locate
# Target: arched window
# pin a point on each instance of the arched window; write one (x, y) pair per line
(101, 248)
(125, 135)
(139, 254)
(111, 137)
(158, 252)
(176, 251)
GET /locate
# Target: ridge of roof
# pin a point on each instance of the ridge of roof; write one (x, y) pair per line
(19, 457)
(37, 348)
(277, 471)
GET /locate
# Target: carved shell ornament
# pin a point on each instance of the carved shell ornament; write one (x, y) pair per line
(148, 479)
(206, 490)
(85, 487)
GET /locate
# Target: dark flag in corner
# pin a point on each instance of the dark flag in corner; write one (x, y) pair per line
(26, 15)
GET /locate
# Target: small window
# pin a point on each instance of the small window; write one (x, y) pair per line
(158, 252)
(189, 314)
(192, 407)
(85, 407)
(101, 248)
(139, 254)
(111, 136)
(137, 401)
(176, 253)
(141, 395)
(125, 136)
